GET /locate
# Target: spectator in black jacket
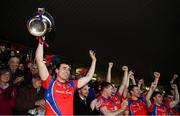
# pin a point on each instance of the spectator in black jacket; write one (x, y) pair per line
(81, 102)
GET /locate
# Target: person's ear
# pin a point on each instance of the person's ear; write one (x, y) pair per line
(79, 91)
(56, 70)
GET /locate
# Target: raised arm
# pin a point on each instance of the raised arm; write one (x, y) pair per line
(176, 101)
(175, 76)
(156, 75)
(152, 88)
(43, 72)
(131, 76)
(125, 92)
(84, 80)
(140, 83)
(124, 81)
(108, 77)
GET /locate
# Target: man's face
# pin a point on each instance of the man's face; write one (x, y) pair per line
(114, 90)
(109, 90)
(136, 92)
(34, 69)
(13, 63)
(36, 83)
(3, 48)
(63, 72)
(158, 99)
(169, 98)
(84, 91)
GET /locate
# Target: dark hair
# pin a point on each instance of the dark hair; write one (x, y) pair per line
(113, 83)
(64, 61)
(156, 93)
(105, 85)
(131, 87)
(36, 76)
(8, 92)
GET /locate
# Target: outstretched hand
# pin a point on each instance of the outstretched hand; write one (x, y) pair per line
(92, 55)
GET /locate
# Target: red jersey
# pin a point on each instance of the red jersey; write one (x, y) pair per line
(161, 110)
(137, 107)
(107, 102)
(174, 110)
(117, 100)
(59, 96)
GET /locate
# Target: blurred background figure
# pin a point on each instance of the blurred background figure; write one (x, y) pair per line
(30, 98)
(7, 93)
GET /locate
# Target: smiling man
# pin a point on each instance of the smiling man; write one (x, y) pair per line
(60, 91)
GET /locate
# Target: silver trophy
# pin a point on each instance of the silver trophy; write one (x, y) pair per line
(41, 23)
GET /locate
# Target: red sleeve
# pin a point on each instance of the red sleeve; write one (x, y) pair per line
(75, 84)
(45, 83)
(168, 105)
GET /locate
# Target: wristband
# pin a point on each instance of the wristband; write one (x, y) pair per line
(41, 41)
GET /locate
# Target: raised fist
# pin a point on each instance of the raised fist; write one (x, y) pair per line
(92, 55)
(131, 75)
(141, 82)
(110, 64)
(125, 68)
(175, 76)
(174, 86)
(156, 74)
(153, 85)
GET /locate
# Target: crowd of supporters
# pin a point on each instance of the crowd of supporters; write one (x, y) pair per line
(37, 89)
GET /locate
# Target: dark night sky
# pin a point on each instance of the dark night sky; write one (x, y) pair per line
(142, 34)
